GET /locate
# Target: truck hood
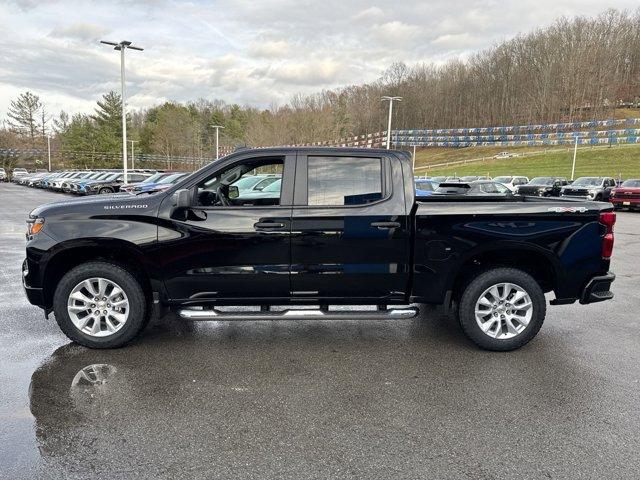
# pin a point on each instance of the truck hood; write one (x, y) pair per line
(116, 204)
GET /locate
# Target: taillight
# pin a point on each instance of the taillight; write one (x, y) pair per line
(608, 219)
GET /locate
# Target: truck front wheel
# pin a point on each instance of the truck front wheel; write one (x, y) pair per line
(502, 309)
(100, 305)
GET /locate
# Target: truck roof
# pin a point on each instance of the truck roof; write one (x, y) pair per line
(342, 150)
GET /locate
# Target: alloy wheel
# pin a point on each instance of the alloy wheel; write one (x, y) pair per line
(503, 310)
(98, 307)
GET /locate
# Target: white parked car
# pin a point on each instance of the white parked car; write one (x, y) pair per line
(511, 182)
(506, 155)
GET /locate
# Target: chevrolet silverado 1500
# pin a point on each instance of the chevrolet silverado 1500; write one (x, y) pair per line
(343, 228)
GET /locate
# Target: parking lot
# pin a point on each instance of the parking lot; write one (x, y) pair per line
(403, 399)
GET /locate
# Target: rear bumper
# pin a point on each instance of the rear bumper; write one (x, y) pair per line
(598, 289)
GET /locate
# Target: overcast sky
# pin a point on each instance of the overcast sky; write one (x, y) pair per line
(252, 52)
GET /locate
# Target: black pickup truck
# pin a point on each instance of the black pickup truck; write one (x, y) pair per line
(338, 227)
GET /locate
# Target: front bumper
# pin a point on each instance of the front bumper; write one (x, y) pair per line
(598, 289)
(34, 295)
(625, 202)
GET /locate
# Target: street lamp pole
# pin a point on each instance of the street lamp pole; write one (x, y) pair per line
(217, 127)
(390, 100)
(575, 152)
(133, 154)
(49, 150)
(122, 46)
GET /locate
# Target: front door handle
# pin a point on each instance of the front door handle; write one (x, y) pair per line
(268, 225)
(385, 225)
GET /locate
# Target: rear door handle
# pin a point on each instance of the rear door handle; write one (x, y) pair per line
(385, 225)
(268, 225)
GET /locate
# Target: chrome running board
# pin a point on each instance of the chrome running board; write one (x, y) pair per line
(293, 314)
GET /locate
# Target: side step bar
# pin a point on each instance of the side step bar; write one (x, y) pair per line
(292, 314)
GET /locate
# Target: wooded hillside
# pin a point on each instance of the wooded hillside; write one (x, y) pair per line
(576, 69)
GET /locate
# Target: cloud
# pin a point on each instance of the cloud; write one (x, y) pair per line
(269, 49)
(368, 14)
(88, 32)
(311, 73)
(396, 32)
(255, 53)
(455, 41)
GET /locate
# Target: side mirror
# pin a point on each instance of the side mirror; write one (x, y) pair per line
(234, 192)
(182, 198)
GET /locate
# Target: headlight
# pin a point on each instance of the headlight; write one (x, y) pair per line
(34, 226)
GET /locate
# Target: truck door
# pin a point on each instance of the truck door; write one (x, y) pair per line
(234, 241)
(350, 229)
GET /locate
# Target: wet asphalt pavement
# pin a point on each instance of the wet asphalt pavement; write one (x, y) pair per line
(403, 399)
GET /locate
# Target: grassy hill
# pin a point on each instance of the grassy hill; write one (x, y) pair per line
(613, 161)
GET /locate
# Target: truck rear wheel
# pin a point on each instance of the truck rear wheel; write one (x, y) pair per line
(502, 309)
(100, 305)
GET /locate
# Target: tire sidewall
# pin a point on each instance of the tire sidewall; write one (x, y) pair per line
(485, 280)
(137, 304)
(105, 191)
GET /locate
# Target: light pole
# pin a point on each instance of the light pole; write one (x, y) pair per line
(390, 100)
(122, 46)
(575, 152)
(49, 150)
(414, 157)
(217, 127)
(133, 154)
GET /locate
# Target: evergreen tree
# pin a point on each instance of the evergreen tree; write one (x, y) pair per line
(23, 115)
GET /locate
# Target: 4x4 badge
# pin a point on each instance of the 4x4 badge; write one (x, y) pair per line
(567, 209)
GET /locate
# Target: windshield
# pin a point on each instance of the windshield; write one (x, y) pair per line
(542, 181)
(111, 177)
(274, 187)
(246, 182)
(503, 179)
(631, 183)
(426, 186)
(171, 178)
(588, 182)
(155, 177)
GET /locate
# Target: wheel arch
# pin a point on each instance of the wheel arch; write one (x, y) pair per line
(536, 262)
(70, 254)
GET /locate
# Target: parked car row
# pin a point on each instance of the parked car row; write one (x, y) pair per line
(257, 188)
(93, 182)
(622, 194)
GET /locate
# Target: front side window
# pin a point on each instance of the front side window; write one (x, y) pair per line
(234, 186)
(344, 180)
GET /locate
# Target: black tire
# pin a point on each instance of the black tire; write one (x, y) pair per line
(105, 191)
(598, 198)
(135, 322)
(473, 291)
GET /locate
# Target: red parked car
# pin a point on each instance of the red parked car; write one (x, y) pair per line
(626, 195)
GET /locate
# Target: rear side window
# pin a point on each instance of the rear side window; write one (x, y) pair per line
(344, 180)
